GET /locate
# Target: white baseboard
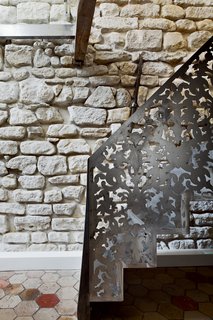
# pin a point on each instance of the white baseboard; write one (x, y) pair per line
(40, 260)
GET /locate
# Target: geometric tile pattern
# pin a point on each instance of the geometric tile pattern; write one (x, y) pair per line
(150, 294)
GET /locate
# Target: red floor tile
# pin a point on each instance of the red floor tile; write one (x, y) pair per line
(47, 300)
(185, 303)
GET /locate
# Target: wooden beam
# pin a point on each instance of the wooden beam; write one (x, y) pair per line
(85, 15)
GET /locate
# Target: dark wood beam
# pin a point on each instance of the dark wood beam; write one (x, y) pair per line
(85, 15)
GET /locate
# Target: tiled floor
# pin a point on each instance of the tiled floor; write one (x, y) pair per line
(150, 294)
(39, 295)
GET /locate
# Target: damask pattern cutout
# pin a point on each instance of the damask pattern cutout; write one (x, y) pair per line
(142, 179)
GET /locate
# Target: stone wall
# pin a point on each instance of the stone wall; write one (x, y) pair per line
(53, 115)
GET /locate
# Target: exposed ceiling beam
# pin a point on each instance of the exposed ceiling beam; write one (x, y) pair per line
(85, 15)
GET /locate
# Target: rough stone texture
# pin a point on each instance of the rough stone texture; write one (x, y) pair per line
(35, 91)
(102, 97)
(54, 165)
(49, 115)
(3, 169)
(182, 244)
(73, 146)
(3, 224)
(37, 147)
(87, 116)
(41, 59)
(73, 193)
(21, 195)
(62, 131)
(201, 206)
(9, 92)
(58, 13)
(65, 97)
(172, 12)
(18, 55)
(63, 180)
(158, 24)
(107, 57)
(12, 208)
(78, 164)
(141, 10)
(32, 223)
(52, 196)
(67, 224)
(66, 209)
(1, 59)
(197, 39)
(33, 12)
(8, 147)
(26, 164)
(144, 40)
(197, 13)
(39, 209)
(118, 115)
(32, 182)
(3, 116)
(95, 132)
(204, 219)
(3, 195)
(173, 41)
(157, 68)
(16, 237)
(58, 237)
(116, 24)
(186, 25)
(9, 181)
(14, 133)
(22, 116)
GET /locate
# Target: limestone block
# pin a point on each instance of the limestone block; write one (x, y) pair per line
(78, 164)
(32, 223)
(3, 169)
(144, 40)
(25, 164)
(43, 72)
(41, 59)
(9, 181)
(3, 224)
(3, 116)
(12, 208)
(92, 71)
(185, 25)
(38, 237)
(108, 57)
(118, 115)
(197, 39)
(87, 116)
(31, 182)
(39, 209)
(65, 73)
(44, 247)
(33, 12)
(66, 49)
(55, 61)
(37, 147)
(157, 68)
(114, 39)
(173, 41)
(28, 195)
(181, 244)
(66, 61)
(8, 15)
(21, 74)
(52, 196)
(115, 24)
(83, 179)
(123, 98)
(80, 94)
(204, 219)
(95, 36)
(80, 82)
(5, 76)
(58, 13)
(14, 133)
(66, 209)
(200, 232)
(94, 132)
(104, 80)
(142, 94)
(75, 247)
(102, 97)
(58, 237)
(8, 147)
(54, 165)
(149, 81)
(109, 9)
(128, 81)
(65, 97)
(35, 91)
(71, 146)
(16, 237)
(113, 69)
(140, 10)
(9, 92)
(3, 195)
(198, 13)
(68, 224)
(193, 2)
(63, 180)
(35, 132)
(205, 244)
(18, 55)
(157, 24)
(73, 193)
(127, 67)
(49, 115)
(62, 131)
(76, 237)
(206, 25)
(21, 116)
(172, 12)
